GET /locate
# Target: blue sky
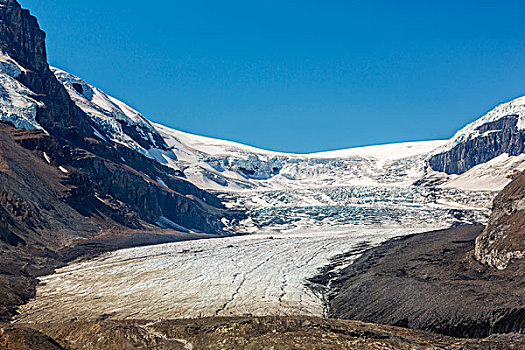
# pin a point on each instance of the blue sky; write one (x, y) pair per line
(296, 76)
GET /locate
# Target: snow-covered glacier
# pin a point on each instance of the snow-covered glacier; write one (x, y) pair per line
(243, 275)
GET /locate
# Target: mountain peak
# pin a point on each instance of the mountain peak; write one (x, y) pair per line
(21, 36)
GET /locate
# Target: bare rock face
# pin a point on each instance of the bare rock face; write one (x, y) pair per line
(503, 240)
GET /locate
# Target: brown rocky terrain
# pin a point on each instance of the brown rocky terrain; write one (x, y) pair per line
(237, 333)
(466, 281)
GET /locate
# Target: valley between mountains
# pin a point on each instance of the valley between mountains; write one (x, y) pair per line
(117, 232)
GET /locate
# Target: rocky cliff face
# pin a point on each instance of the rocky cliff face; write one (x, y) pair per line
(498, 137)
(500, 131)
(503, 240)
(22, 39)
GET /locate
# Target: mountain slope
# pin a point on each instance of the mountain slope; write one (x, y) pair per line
(23, 41)
(230, 166)
(66, 193)
(33, 98)
(503, 241)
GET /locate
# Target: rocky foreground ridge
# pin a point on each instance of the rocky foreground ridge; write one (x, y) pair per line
(237, 333)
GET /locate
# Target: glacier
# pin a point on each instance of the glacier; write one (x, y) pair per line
(226, 166)
(243, 275)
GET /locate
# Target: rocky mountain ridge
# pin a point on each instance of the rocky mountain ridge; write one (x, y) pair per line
(24, 62)
(106, 123)
(503, 240)
(500, 131)
(63, 191)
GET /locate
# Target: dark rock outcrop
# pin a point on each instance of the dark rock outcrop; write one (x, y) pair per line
(95, 179)
(503, 240)
(496, 138)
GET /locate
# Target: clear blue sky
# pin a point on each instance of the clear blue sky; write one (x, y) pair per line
(296, 75)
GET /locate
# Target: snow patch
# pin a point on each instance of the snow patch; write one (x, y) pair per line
(62, 169)
(493, 175)
(10, 67)
(168, 224)
(159, 180)
(99, 135)
(16, 104)
(46, 157)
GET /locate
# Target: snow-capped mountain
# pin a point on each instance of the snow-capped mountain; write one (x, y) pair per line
(113, 119)
(480, 157)
(361, 185)
(96, 147)
(83, 173)
(228, 166)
